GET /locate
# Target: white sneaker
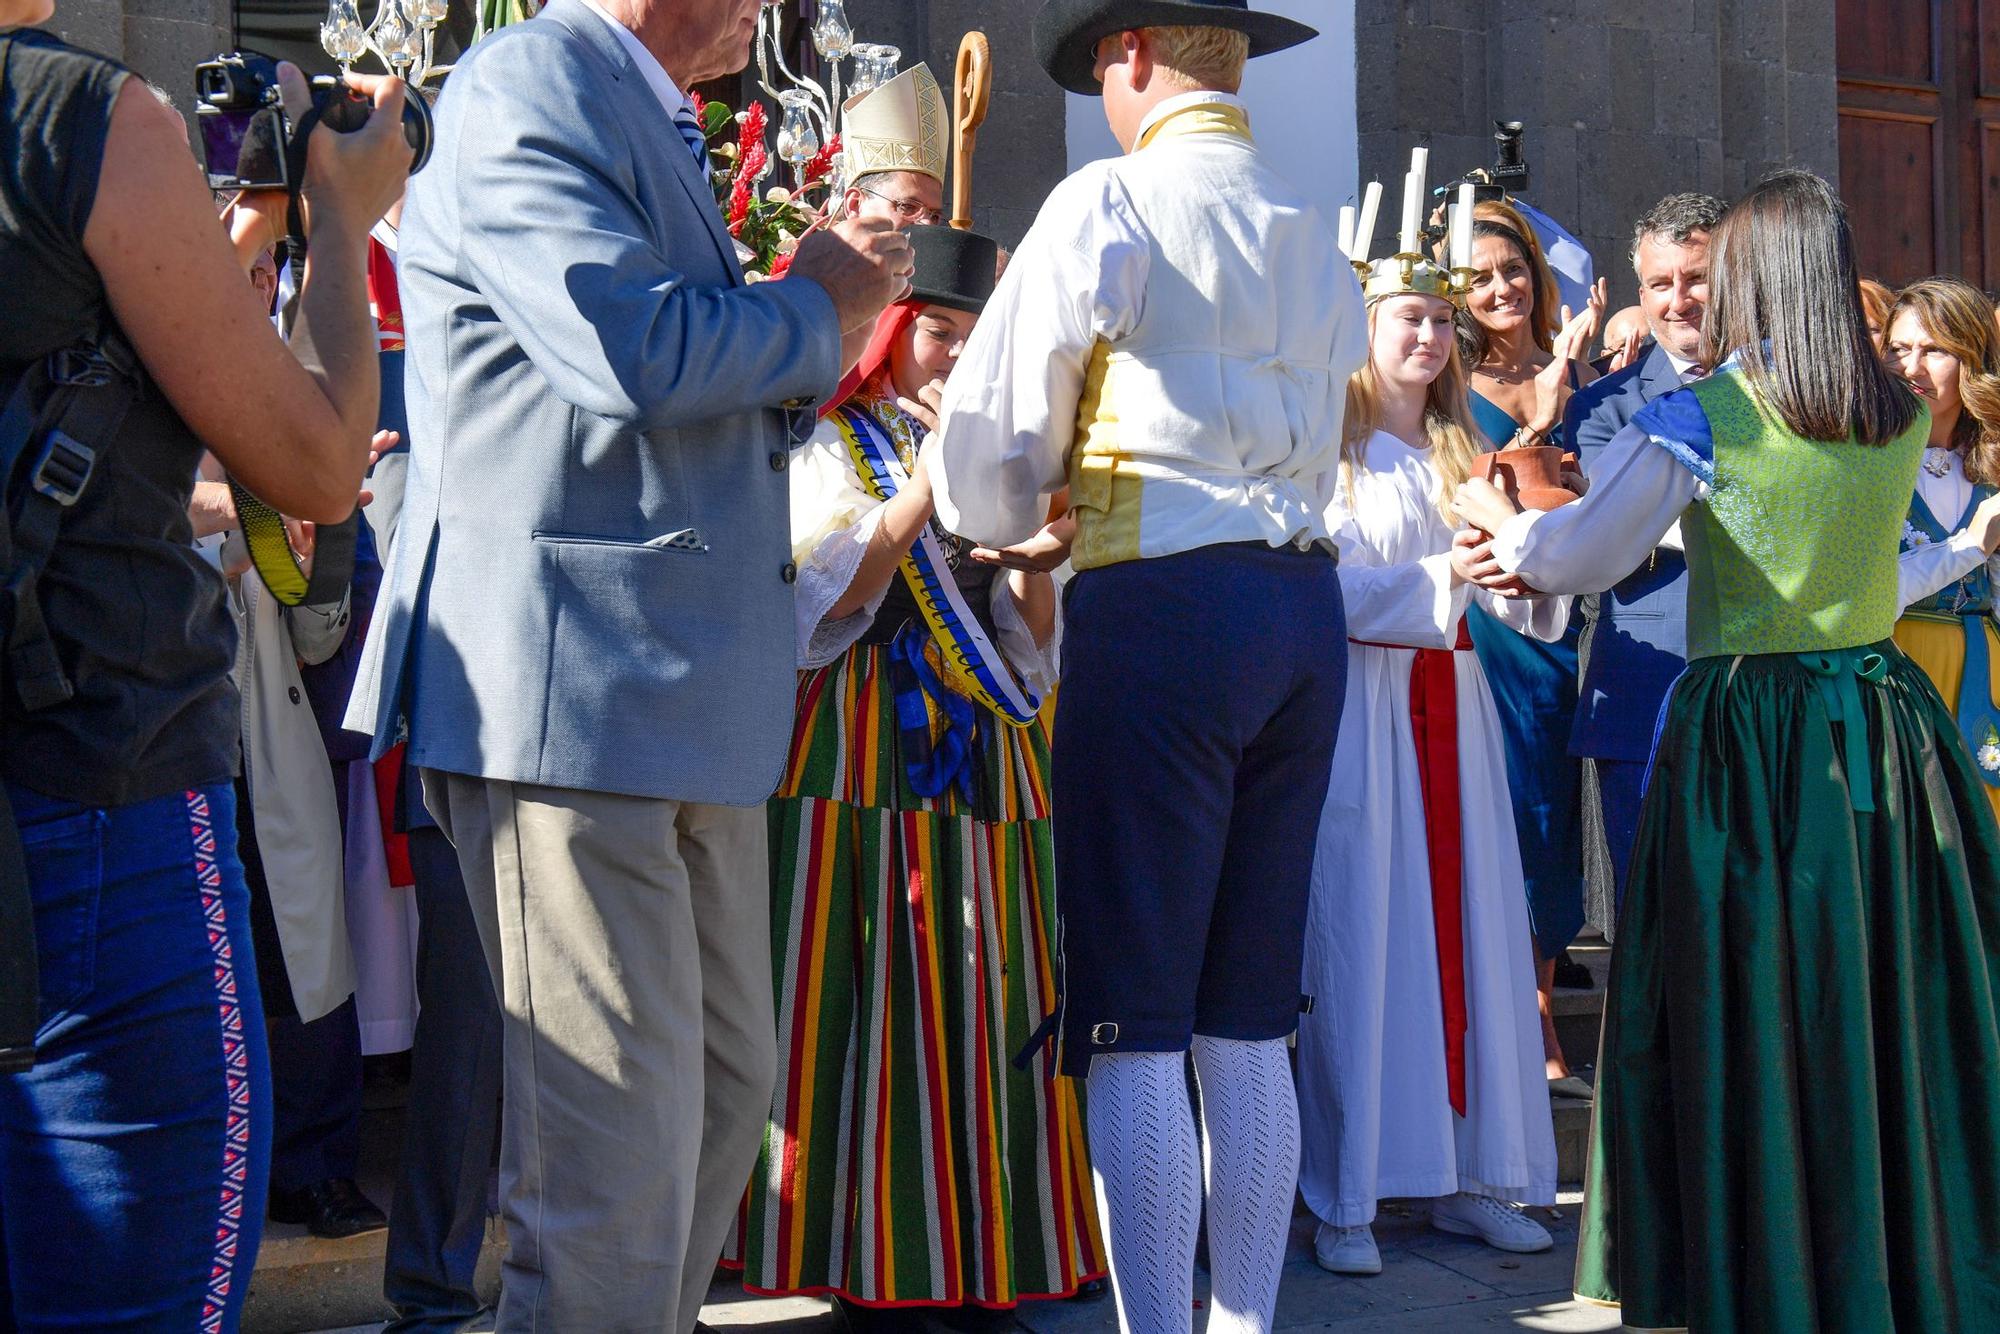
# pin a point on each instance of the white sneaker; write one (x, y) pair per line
(1347, 1250)
(1500, 1225)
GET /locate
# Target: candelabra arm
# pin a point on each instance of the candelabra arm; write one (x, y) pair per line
(817, 93)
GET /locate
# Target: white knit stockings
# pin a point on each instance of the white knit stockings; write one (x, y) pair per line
(1149, 1181)
(1250, 1124)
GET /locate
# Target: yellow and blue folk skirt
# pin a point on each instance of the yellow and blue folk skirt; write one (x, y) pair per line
(1942, 645)
(908, 1161)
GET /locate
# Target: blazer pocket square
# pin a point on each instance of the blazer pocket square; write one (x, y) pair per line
(687, 539)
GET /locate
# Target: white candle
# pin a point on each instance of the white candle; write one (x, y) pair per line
(1364, 226)
(1420, 167)
(1412, 190)
(1461, 229)
(1347, 216)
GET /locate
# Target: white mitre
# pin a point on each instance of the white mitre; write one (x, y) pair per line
(897, 127)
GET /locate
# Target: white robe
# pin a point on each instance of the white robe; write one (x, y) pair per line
(1375, 1113)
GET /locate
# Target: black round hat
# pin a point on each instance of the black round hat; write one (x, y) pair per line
(1067, 31)
(954, 268)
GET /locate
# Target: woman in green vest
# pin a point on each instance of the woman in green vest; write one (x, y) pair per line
(1798, 1108)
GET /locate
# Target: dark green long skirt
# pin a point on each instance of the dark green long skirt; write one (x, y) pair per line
(1798, 1105)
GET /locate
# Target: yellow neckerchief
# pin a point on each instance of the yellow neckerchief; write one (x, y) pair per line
(1199, 118)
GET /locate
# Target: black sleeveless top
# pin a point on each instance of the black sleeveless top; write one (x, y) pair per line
(137, 615)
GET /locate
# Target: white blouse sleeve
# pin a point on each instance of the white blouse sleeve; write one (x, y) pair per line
(1038, 665)
(1922, 571)
(1637, 492)
(1543, 618)
(833, 519)
(1416, 604)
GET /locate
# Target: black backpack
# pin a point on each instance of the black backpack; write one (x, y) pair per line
(61, 416)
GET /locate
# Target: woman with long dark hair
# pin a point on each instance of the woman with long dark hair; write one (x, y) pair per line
(1945, 346)
(1798, 1108)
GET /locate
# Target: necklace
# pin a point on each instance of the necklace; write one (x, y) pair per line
(1937, 460)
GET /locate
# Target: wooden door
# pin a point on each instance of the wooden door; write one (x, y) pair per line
(1920, 136)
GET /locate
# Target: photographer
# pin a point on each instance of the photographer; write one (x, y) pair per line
(134, 1152)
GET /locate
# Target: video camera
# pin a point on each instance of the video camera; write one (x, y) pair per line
(246, 138)
(1507, 176)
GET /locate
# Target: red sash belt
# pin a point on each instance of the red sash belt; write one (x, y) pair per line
(1434, 728)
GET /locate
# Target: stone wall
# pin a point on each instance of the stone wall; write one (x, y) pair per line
(1622, 103)
(1020, 155)
(162, 40)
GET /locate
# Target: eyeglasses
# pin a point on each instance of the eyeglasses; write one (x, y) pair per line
(909, 210)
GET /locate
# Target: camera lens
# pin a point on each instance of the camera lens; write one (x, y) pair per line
(418, 127)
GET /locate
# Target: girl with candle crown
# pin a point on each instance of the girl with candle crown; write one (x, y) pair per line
(1420, 1063)
(1798, 1108)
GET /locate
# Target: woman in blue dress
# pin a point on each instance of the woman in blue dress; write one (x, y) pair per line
(1524, 371)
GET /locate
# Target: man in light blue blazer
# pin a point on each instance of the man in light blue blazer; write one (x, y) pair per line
(1634, 642)
(587, 625)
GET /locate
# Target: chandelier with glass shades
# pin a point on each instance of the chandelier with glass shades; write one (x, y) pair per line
(810, 110)
(402, 35)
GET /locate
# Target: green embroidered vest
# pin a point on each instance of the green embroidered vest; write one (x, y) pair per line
(1795, 548)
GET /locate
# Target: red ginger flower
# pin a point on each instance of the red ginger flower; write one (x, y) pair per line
(753, 129)
(822, 162)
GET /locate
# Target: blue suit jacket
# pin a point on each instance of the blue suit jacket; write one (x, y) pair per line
(591, 585)
(1635, 636)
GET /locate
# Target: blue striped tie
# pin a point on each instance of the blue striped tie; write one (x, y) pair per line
(697, 142)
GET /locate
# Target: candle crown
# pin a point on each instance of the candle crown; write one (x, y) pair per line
(1407, 274)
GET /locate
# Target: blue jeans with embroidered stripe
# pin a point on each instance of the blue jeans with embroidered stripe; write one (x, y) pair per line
(133, 1156)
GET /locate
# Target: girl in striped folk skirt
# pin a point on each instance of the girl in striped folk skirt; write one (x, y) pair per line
(908, 1161)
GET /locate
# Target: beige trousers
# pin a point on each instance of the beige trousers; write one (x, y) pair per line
(630, 942)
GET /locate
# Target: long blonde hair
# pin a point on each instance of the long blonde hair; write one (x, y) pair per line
(1956, 315)
(1454, 441)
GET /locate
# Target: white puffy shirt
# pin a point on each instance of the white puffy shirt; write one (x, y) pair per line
(1194, 308)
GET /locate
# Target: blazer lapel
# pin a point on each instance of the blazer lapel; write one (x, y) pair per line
(654, 134)
(1657, 375)
(688, 172)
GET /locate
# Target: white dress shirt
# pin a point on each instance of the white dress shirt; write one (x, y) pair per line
(672, 99)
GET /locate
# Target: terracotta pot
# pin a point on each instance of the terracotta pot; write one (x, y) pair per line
(1531, 476)
(1532, 479)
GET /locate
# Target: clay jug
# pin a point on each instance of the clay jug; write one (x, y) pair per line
(1531, 476)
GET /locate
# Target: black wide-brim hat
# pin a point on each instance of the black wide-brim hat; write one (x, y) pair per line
(1067, 31)
(954, 268)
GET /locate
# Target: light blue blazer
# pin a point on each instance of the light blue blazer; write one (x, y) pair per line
(591, 586)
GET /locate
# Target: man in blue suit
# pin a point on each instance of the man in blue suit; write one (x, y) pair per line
(587, 623)
(1634, 640)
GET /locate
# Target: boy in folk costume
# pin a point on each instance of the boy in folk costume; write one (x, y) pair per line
(1172, 342)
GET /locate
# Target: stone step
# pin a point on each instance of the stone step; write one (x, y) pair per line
(304, 1283)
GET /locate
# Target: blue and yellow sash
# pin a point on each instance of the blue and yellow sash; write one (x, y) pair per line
(969, 657)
